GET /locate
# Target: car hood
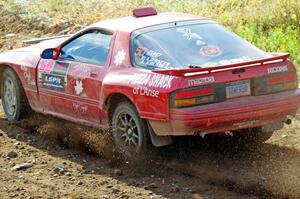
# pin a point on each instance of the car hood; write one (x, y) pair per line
(28, 56)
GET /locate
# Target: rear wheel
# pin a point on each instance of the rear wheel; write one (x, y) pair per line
(254, 135)
(13, 97)
(130, 132)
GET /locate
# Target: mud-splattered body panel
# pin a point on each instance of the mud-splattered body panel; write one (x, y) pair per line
(80, 91)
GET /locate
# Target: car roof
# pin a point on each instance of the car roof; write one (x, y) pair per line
(130, 23)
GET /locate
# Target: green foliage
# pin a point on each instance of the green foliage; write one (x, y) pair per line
(272, 25)
(274, 39)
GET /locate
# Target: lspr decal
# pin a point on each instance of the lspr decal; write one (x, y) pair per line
(53, 82)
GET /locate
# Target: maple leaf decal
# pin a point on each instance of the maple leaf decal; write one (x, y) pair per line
(119, 58)
(78, 87)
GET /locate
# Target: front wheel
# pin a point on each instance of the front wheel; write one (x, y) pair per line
(130, 132)
(13, 97)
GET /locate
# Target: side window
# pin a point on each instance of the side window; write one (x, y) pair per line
(92, 47)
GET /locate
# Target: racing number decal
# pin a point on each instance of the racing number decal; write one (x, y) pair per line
(46, 66)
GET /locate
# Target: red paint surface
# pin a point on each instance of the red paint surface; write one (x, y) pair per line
(143, 12)
(86, 103)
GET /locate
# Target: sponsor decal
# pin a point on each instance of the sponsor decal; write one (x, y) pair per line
(46, 66)
(210, 51)
(161, 81)
(24, 68)
(156, 81)
(60, 68)
(27, 76)
(206, 49)
(144, 91)
(78, 87)
(80, 72)
(146, 57)
(119, 57)
(53, 82)
(278, 69)
(141, 51)
(29, 80)
(79, 108)
(188, 34)
(76, 78)
(200, 81)
(53, 74)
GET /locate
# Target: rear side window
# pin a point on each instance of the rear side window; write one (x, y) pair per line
(202, 44)
(92, 47)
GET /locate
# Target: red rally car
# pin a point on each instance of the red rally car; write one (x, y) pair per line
(149, 77)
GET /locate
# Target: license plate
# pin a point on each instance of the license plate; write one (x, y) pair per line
(238, 89)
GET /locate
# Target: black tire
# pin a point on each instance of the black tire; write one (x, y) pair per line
(130, 132)
(252, 136)
(14, 100)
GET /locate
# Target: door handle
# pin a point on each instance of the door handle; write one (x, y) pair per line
(94, 74)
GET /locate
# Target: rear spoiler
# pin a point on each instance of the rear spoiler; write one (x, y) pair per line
(36, 41)
(278, 57)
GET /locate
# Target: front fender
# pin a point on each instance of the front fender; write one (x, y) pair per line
(24, 64)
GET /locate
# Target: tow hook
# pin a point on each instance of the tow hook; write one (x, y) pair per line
(288, 120)
(203, 134)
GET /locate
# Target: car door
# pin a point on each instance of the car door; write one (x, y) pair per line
(70, 86)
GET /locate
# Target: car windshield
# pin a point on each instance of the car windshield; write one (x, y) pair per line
(194, 45)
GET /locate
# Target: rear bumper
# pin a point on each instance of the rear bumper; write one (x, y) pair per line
(234, 114)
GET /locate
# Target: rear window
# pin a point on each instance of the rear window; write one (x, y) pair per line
(204, 45)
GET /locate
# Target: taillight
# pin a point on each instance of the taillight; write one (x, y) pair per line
(195, 92)
(219, 92)
(275, 83)
(198, 95)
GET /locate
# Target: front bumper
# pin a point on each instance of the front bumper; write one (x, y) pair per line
(233, 114)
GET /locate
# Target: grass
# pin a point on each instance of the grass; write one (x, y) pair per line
(272, 25)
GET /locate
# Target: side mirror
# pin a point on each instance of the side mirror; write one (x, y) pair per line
(50, 53)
